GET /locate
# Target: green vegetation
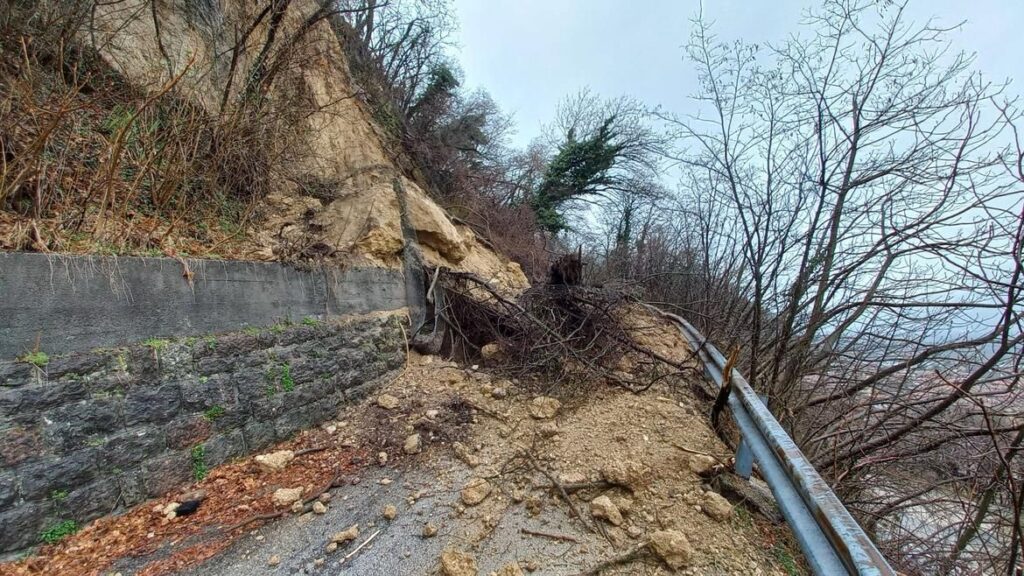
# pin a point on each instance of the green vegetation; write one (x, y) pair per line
(59, 495)
(157, 344)
(287, 383)
(199, 469)
(251, 330)
(213, 413)
(310, 321)
(37, 358)
(59, 531)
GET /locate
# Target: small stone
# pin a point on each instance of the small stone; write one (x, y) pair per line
(700, 464)
(382, 458)
(463, 453)
(387, 401)
(547, 430)
(512, 569)
(298, 507)
(319, 508)
(325, 497)
(531, 565)
(412, 444)
(390, 512)
(498, 394)
(672, 547)
(486, 389)
(286, 496)
(385, 481)
(330, 429)
(544, 407)
(603, 507)
(455, 563)
(475, 491)
(429, 530)
(275, 460)
(432, 414)
(490, 351)
(274, 560)
(319, 562)
(572, 478)
(634, 532)
(331, 547)
(624, 473)
(347, 535)
(716, 506)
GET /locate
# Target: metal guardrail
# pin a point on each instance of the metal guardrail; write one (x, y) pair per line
(830, 538)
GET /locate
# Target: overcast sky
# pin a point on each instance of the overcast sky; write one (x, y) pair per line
(529, 54)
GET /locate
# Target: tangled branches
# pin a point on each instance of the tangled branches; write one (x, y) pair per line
(570, 334)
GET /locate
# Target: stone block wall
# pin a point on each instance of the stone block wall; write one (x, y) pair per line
(92, 433)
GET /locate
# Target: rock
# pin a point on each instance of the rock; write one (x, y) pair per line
(700, 464)
(512, 569)
(412, 444)
(462, 452)
(716, 506)
(547, 429)
(275, 460)
(287, 496)
(325, 497)
(455, 563)
(319, 508)
(298, 507)
(432, 414)
(387, 401)
(624, 504)
(274, 560)
(499, 394)
(347, 535)
(429, 530)
(572, 478)
(626, 474)
(603, 507)
(491, 351)
(390, 511)
(672, 547)
(331, 547)
(475, 491)
(634, 532)
(544, 407)
(382, 458)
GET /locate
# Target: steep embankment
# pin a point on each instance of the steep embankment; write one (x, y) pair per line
(333, 196)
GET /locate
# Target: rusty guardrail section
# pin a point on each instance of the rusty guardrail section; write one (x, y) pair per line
(830, 538)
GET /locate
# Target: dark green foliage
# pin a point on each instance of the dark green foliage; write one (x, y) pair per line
(579, 169)
(199, 469)
(59, 532)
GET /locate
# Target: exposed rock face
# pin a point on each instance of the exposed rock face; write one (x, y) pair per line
(340, 192)
(672, 547)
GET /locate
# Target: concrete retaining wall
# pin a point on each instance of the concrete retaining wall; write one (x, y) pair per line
(85, 434)
(68, 303)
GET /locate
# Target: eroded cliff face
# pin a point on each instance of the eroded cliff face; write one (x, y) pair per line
(339, 195)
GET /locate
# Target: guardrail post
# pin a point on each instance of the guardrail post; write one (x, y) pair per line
(744, 457)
